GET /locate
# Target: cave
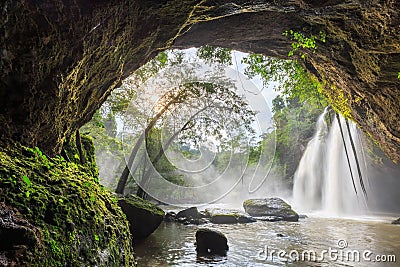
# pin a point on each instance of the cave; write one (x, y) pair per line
(60, 60)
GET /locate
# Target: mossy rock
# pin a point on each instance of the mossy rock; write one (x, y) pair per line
(270, 207)
(70, 219)
(227, 216)
(143, 216)
(88, 151)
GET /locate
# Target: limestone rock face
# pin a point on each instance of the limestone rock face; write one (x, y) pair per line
(59, 60)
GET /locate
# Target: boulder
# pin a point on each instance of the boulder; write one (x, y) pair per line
(270, 207)
(211, 242)
(143, 216)
(189, 213)
(227, 216)
(397, 221)
(188, 216)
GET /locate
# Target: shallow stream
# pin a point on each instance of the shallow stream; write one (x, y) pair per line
(348, 242)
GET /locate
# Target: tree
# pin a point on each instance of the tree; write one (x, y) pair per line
(207, 106)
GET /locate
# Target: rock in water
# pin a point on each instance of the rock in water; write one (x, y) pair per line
(190, 213)
(211, 242)
(396, 221)
(270, 207)
(170, 216)
(226, 216)
(143, 216)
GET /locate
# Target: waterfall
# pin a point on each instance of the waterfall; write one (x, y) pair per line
(322, 181)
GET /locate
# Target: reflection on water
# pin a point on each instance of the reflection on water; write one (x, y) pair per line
(173, 244)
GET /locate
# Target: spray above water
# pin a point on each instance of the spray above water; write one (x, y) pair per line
(323, 180)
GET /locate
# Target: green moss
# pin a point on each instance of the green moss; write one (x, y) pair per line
(78, 222)
(338, 99)
(88, 152)
(144, 204)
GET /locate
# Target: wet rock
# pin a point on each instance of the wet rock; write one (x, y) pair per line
(203, 221)
(228, 216)
(397, 221)
(187, 221)
(181, 220)
(189, 213)
(143, 216)
(303, 216)
(188, 216)
(203, 214)
(16, 235)
(269, 218)
(270, 207)
(170, 216)
(211, 242)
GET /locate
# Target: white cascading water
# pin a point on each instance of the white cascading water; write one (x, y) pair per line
(323, 181)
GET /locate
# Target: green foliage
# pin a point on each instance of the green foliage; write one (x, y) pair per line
(339, 100)
(296, 109)
(301, 41)
(212, 54)
(293, 80)
(163, 166)
(294, 126)
(27, 180)
(398, 75)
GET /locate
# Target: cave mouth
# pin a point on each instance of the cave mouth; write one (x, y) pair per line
(85, 51)
(143, 95)
(61, 60)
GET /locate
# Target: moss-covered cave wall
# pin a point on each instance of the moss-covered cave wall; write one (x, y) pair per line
(55, 213)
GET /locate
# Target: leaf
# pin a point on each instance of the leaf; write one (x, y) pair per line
(38, 151)
(27, 180)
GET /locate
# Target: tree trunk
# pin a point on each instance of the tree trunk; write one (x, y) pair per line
(145, 178)
(125, 174)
